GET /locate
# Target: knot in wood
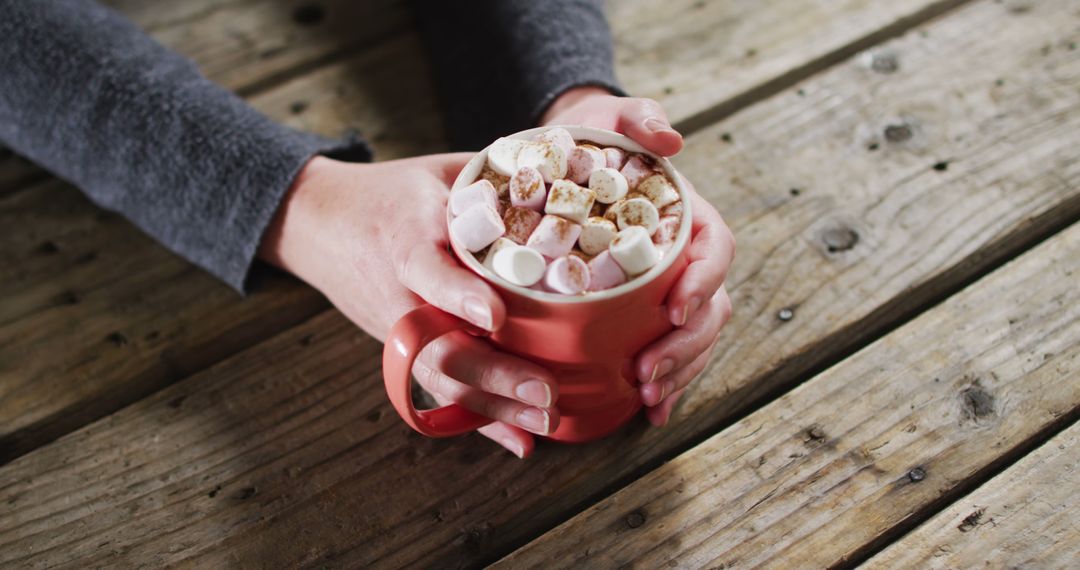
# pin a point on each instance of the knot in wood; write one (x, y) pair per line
(917, 474)
(884, 62)
(635, 519)
(839, 239)
(897, 133)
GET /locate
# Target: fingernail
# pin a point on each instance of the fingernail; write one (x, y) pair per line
(661, 368)
(514, 447)
(534, 392)
(534, 420)
(478, 312)
(663, 393)
(656, 125)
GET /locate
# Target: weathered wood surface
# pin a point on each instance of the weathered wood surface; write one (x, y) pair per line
(310, 459)
(841, 462)
(1023, 518)
(382, 92)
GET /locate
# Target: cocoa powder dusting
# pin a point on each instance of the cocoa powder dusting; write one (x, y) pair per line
(562, 228)
(574, 270)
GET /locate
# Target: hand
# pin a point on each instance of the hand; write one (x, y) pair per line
(372, 238)
(698, 304)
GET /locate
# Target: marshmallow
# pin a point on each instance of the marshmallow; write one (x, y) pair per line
(569, 200)
(527, 189)
(635, 170)
(582, 161)
(479, 192)
(612, 213)
(557, 136)
(615, 157)
(548, 158)
(477, 227)
(500, 243)
(667, 230)
(500, 182)
(638, 212)
(503, 155)
(604, 272)
(596, 234)
(673, 209)
(520, 223)
(608, 184)
(519, 265)
(659, 190)
(634, 251)
(554, 237)
(568, 275)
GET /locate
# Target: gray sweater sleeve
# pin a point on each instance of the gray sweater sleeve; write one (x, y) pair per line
(87, 95)
(498, 64)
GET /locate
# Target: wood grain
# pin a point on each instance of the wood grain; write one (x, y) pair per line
(840, 462)
(314, 468)
(382, 93)
(1023, 518)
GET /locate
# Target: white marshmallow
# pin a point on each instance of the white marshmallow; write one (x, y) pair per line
(557, 136)
(527, 189)
(520, 223)
(477, 227)
(596, 234)
(634, 251)
(569, 201)
(548, 158)
(582, 161)
(568, 275)
(604, 272)
(519, 265)
(616, 157)
(638, 212)
(501, 243)
(503, 155)
(554, 237)
(479, 192)
(659, 190)
(608, 184)
(636, 169)
(667, 230)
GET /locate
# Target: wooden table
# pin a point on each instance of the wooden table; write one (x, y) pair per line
(899, 385)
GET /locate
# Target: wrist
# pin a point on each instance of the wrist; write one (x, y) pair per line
(572, 97)
(277, 246)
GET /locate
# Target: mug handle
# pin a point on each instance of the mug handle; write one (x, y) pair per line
(407, 338)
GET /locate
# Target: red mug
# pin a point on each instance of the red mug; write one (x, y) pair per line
(588, 342)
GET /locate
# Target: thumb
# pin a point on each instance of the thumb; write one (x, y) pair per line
(645, 121)
(433, 274)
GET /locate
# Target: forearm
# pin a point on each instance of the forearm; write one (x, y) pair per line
(500, 63)
(86, 94)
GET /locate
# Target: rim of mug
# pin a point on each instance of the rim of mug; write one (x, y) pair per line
(607, 138)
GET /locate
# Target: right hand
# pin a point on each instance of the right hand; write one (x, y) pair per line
(373, 239)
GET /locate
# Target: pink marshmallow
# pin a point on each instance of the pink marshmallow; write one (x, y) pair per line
(667, 230)
(615, 157)
(479, 192)
(567, 275)
(635, 170)
(478, 227)
(527, 189)
(554, 236)
(520, 223)
(604, 272)
(582, 162)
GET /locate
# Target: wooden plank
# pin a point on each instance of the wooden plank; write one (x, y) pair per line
(1023, 518)
(383, 93)
(310, 458)
(844, 460)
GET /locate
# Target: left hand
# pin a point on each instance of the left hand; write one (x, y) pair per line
(698, 305)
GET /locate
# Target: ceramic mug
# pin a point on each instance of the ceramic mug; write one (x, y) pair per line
(587, 341)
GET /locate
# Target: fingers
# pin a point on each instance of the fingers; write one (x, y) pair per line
(659, 415)
(516, 440)
(682, 346)
(429, 271)
(711, 251)
(447, 166)
(447, 372)
(644, 121)
(474, 362)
